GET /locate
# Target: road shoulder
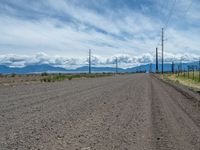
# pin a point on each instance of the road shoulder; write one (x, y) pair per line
(185, 90)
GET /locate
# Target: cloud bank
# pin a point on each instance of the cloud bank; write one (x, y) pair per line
(68, 28)
(124, 61)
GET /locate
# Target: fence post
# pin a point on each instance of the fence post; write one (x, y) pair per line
(181, 67)
(184, 72)
(178, 70)
(188, 73)
(193, 73)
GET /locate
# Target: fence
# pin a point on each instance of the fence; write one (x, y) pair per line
(189, 70)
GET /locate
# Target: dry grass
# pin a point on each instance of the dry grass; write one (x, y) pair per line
(45, 77)
(183, 79)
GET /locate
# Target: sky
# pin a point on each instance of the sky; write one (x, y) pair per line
(60, 32)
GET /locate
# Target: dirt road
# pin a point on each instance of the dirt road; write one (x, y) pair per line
(127, 112)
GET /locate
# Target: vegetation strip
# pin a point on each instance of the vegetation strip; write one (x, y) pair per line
(61, 77)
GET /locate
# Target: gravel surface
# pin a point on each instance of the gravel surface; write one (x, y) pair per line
(126, 112)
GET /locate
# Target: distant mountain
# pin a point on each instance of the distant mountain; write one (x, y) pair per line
(5, 69)
(49, 68)
(30, 69)
(167, 67)
(100, 69)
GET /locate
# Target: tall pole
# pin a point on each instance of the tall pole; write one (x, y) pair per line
(199, 69)
(150, 68)
(116, 65)
(156, 60)
(89, 61)
(181, 66)
(162, 50)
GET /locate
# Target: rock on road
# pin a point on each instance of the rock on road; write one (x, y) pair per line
(125, 112)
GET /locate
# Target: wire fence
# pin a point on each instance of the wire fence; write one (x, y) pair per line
(187, 70)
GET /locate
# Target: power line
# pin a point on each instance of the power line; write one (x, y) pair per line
(162, 34)
(165, 4)
(166, 26)
(166, 23)
(188, 8)
(168, 19)
(170, 15)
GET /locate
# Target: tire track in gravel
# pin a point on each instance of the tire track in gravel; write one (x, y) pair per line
(118, 124)
(57, 97)
(23, 99)
(49, 87)
(174, 128)
(129, 112)
(187, 104)
(60, 100)
(47, 97)
(54, 102)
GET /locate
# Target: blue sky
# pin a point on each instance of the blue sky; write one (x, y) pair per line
(60, 32)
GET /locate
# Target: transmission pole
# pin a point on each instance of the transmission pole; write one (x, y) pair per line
(199, 69)
(172, 66)
(116, 65)
(156, 60)
(181, 66)
(150, 68)
(162, 50)
(89, 61)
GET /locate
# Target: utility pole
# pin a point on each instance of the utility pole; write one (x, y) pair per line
(181, 65)
(150, 68)
(156, 60)
(172, 66)
(116, 65)
(162, 50)
(89, 61)
(199, 69)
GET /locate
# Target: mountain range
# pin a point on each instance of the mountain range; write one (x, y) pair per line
(48, 68)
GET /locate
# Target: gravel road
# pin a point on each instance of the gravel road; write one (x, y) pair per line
(125, 112)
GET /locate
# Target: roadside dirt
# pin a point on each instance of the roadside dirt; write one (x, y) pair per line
(127, 112)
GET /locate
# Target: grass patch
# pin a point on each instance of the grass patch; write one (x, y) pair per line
(186, 79)
(61, 77)
(44, 74)
(13, 75)
(53, 78)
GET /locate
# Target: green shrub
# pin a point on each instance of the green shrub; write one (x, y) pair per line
(44, 74)
(70, 77)
(176, 81)
(61, 77)
(49, 80)
(13, 75)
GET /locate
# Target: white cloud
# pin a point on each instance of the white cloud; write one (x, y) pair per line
(124, 60)
(127, 32)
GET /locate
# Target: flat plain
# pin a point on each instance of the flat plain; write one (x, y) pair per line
(122, 112)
